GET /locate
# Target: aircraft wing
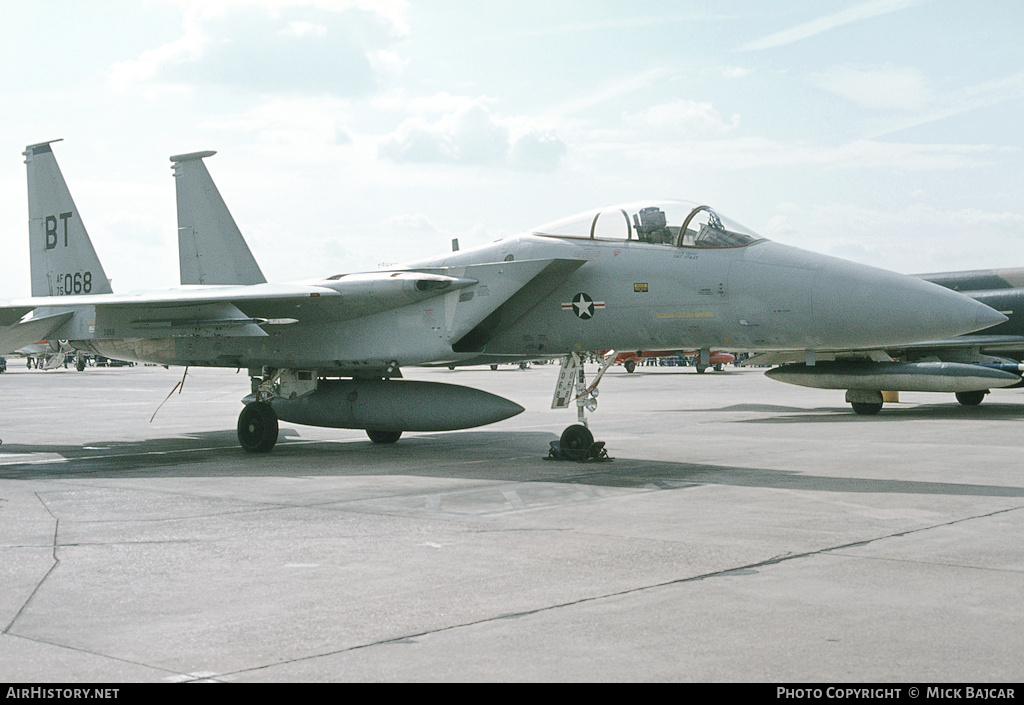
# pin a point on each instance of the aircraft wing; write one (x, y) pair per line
(244, 310)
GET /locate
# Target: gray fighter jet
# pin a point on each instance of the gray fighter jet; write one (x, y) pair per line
(329, 352)
(968, 365)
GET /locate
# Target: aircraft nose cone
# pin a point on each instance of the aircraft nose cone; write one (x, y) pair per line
(874, 307)
(801, 299)
(987, 317)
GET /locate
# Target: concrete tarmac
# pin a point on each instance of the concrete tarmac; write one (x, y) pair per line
(746, 530)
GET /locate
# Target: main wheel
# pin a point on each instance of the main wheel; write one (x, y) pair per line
(384, 436)
(971, 398)
(257, 427)
(866, 408)
(576, 441)
(701, 368)
(630, 365)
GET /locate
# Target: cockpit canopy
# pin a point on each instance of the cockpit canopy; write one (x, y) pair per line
(675, 223)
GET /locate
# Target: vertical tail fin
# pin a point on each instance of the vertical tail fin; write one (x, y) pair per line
(62, 257)
(211, 249)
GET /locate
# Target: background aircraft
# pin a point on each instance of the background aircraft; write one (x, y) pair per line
(968, 365)
(329, 351)
(716, 359)
(48, 356)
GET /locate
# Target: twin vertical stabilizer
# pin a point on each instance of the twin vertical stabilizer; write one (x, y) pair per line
(62, 257)
(211, 249)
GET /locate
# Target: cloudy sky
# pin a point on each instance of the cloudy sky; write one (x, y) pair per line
(356, 133)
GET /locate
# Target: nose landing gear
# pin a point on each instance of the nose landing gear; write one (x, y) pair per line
(577, 442)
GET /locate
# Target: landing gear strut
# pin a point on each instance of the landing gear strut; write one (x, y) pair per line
(577, 442)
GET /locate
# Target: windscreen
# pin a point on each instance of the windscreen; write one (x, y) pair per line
(673, 223)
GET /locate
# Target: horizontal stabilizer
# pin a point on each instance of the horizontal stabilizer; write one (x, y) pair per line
(21, 334)
(10, 316)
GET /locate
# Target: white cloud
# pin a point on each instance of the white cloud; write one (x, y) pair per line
(537, 150)
(271, 46)
(984, 95)
(806, 30)
(414, 222)
(144, 72)
(879, 87)
(735, 71)
(472, 135)
(893, 238)
(386, 61)
(303, 124)
(302, 29)
(686, 118)
(757, 153)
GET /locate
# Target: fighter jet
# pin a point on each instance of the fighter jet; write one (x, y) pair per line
(329, 351)
(968, 365)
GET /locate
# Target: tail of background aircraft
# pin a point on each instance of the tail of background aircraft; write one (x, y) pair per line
(211, 249)
(62, 257)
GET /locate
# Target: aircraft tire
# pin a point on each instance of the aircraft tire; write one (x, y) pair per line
(701, 368)
(866, 408)
(971, 398)
(630, 365)
(494, 367)
(384, 436)
(257, 428)
(80, 364)
(576, 441)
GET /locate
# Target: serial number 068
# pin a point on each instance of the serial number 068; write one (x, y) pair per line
(74, 283)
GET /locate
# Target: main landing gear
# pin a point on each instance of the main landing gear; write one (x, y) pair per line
(257, 427)
(577, 442)
(258, 424)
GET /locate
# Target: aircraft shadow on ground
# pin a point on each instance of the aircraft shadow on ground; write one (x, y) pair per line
(466, 455)
(890, 413)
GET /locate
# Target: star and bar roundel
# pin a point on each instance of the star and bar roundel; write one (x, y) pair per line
(583, 306)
